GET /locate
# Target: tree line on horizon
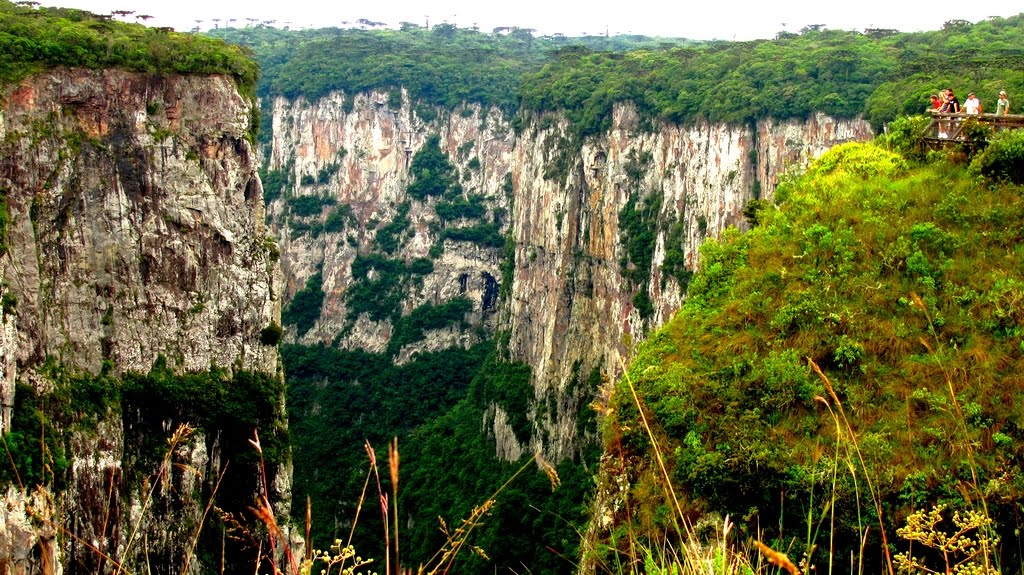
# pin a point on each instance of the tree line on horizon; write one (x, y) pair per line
(879, 74)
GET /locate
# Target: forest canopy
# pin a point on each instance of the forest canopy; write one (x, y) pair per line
(880, 74)
(34, 39)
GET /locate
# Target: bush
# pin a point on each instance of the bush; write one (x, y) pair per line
(432, 173)
(753, 209)
(904, 136)
(484, 235)
(271, 334)
(304, 310)
(305, 206)
(1003, 159)
(865, 160)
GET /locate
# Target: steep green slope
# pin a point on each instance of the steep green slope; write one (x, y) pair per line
(905, 285)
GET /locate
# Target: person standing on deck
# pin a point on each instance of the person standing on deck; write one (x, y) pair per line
(952, 105)
(1002, 105)
(972, 105)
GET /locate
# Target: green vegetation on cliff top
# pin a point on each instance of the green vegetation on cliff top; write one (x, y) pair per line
(905, 284)
(443, 65)
(837, 72)
(35, 39)
(878, 74)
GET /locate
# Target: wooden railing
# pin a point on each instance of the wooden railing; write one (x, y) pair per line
(949, 127)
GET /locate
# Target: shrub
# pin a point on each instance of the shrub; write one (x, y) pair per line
(753, 209)
(271, 334)
(304, 309)
(390, 237)
(338, 218)
(275, 182)
(975, 134)
(305, 206)
(484, 235)
(470, 208)
(411, 328)
(432, 173)
(1003, 159)
(904, 136)
(865, 160)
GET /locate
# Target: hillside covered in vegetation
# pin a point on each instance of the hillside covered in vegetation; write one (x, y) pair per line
(902, 281)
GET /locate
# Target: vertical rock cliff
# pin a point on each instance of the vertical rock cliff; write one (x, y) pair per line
(134, 237)
(602, 235)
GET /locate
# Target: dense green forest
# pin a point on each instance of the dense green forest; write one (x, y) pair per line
(900, 276)
(879, 74)
(33, 39)
(435, 406)
(443, 65)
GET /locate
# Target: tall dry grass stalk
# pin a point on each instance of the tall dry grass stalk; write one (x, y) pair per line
(847, 430)
(457, 539)
(341, 558)
(678, 518)
(693, 555)
(987, 552)
(202, 521)
(832, 499)
(161, 479)
(393, 468)
(265, 513)
(385, 513)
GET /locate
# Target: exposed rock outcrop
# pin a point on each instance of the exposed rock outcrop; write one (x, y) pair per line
(135, 230)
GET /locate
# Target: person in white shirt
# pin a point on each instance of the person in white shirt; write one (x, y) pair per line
(972, 106)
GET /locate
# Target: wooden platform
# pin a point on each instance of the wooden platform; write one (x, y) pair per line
(948, 128)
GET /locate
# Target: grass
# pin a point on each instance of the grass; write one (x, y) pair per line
(969, 547)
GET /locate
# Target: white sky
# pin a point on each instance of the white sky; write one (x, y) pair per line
(697, 19)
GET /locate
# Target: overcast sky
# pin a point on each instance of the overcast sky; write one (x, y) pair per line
(697, 19)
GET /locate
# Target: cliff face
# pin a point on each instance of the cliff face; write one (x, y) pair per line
(135, 230)
(368, 152)
(581, 221)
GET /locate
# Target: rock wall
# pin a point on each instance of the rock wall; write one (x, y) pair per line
(135, 229)
(369, 150)
(570, 306)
